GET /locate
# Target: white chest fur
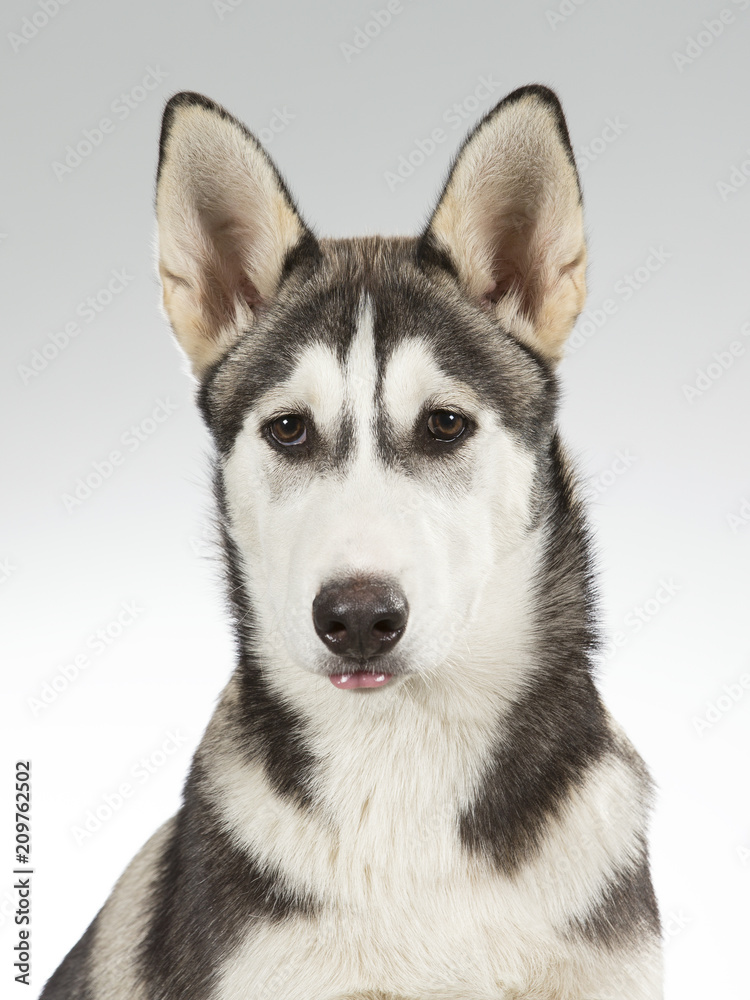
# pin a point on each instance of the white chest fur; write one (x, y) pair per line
(402, 906)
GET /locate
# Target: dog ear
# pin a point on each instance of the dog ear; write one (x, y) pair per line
(511, 220)
(226, 225)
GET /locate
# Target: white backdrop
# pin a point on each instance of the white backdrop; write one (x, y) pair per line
(115, 642)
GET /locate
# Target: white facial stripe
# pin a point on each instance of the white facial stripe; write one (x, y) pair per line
(361, 379)
(317, 383)
(413, 378)
(320, 384)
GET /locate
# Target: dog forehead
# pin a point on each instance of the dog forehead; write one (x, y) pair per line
(368, 320)
(375, 373)
(328, 380)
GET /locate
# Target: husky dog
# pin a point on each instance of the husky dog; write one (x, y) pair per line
(410, 787)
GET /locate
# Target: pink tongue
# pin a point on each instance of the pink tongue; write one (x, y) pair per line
(360, 679)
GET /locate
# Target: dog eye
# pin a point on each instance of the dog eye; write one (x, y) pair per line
(445, 425)
(288, 430)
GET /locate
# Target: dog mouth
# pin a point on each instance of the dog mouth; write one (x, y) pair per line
(360, 679)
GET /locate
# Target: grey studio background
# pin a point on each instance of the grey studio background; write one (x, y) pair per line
(115, 639)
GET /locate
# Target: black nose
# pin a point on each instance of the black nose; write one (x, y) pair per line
(360, 617)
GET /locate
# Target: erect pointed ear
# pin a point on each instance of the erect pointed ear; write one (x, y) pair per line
(226, 226)
(511, 220)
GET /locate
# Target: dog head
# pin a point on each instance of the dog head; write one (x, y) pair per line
(383, 409)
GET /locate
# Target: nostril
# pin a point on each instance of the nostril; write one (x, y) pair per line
(336, 629)
(386, 627)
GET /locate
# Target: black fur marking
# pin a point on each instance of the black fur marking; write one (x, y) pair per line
(558, 729)
(345, 440)
(207, 894)
(431, 254)
(71, 979)
(268, 730)
(552, 737)
(302, 258)
(265, 728)
(626, 912)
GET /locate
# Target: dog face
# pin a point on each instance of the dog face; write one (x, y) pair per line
(376, 470)
(382, 408)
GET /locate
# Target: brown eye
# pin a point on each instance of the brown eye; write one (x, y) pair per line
(288, 430)
(445, 425)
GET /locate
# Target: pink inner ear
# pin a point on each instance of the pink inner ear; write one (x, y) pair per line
(509, 235)
(226, 282)
(227, 239)
(507, 280)
(490, 294)
(513, 265)
(502, 285)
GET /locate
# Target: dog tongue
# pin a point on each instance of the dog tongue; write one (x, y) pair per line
(360, 679)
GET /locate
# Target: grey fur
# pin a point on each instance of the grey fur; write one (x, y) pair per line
(197, 901)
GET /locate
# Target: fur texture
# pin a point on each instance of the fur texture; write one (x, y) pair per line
(474, 828)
